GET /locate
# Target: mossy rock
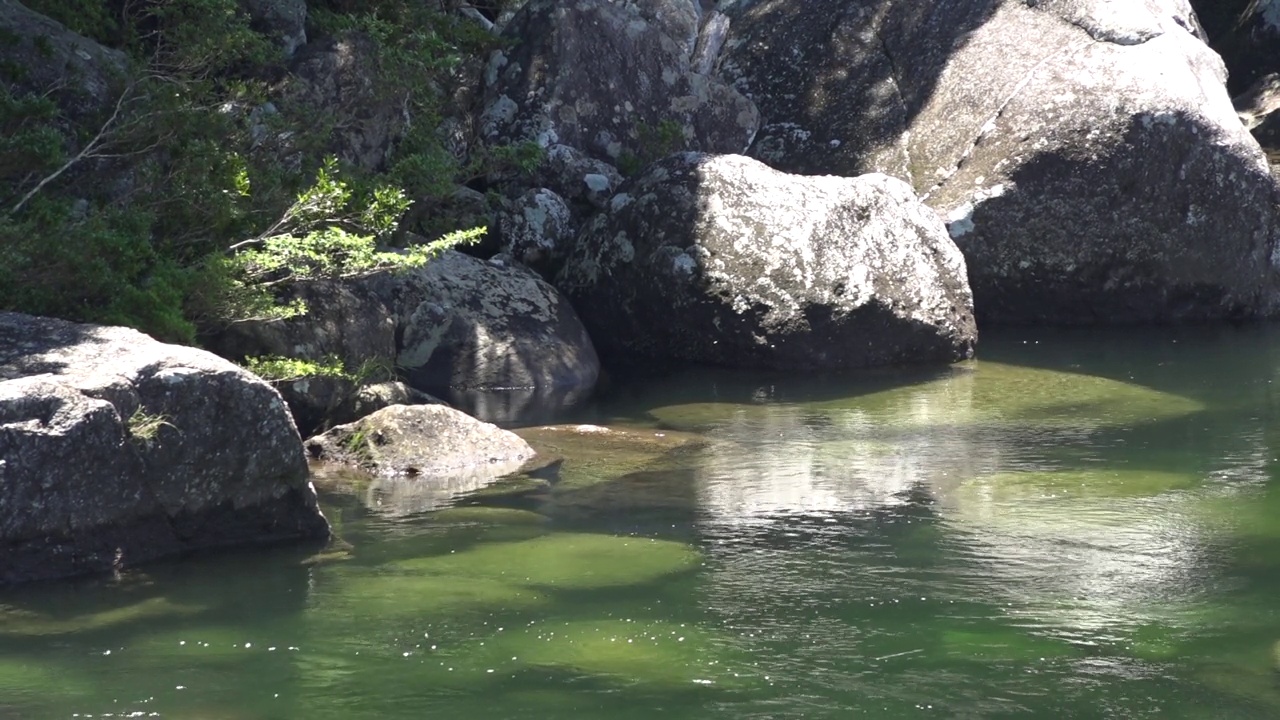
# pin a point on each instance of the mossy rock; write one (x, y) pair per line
(629, 652)
(980, 393)
(568, 561)
(402, 593)
(488, 516)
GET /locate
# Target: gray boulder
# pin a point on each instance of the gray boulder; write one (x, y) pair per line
(116, 450)
(41, 56)
(421, 440)
(537, 229)
(611, 79)
(458, 324)
(722, 260)
(1085, 153)
(465, 323)
(577, 177)
(336, 81)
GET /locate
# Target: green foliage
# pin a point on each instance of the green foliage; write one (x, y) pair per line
(654, 143)
(274, 368)
(101, 267)
(161, 246)
(91, 18)
(29, 142)
(324, 235)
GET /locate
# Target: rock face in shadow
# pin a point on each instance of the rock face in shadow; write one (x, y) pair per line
(463, 323)
(722, 260)
(116, 449)
(454, 326)
(605, 77)
(1085, 154)
(83, 76)
(421, 440)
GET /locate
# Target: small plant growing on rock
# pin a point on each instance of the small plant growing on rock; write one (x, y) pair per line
(143, 427)
(655, 142)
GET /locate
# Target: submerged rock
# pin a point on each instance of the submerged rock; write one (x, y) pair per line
(1085, 154)
(723, 260)
(421, 440)
(116, 449)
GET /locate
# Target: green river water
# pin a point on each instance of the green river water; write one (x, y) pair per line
(1076, 525)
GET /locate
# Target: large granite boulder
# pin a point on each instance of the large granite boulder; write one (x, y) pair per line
(1085, 153)
(428, 441)
(723, 260)
(464, 323)
(612, 79)
(116, 449)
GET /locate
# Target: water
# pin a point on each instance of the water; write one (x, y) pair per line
(1078, 525)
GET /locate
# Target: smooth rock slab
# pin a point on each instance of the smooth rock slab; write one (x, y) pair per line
(116, 449)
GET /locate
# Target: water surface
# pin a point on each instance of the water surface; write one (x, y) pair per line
(1078, 524)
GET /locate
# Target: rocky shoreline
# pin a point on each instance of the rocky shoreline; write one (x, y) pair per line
(760, 184)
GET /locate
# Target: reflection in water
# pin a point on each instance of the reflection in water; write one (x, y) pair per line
(1084, 527)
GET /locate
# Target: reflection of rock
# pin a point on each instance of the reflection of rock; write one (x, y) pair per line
(517, 406)
(872, 450)
(1096, 551)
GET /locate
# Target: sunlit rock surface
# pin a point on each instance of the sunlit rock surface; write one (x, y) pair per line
(116, 449)
(720, 259)
(1085, 154)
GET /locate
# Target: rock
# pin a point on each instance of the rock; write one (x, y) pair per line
(537, 229)
(463, 208)
(319, 403)
(1260, 100)
(469, 324)
(116, 450)
(575, 176)
(456, 325)
(344, 319)
(1246, 33)
(548, 86)
(421, 440)
(1084, 153)
(39, 56)
(722, 260)
(283, 20)
(336, 80)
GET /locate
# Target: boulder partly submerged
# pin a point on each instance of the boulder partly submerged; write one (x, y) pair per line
(116, 449)
(723, 260)
(425, 441)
